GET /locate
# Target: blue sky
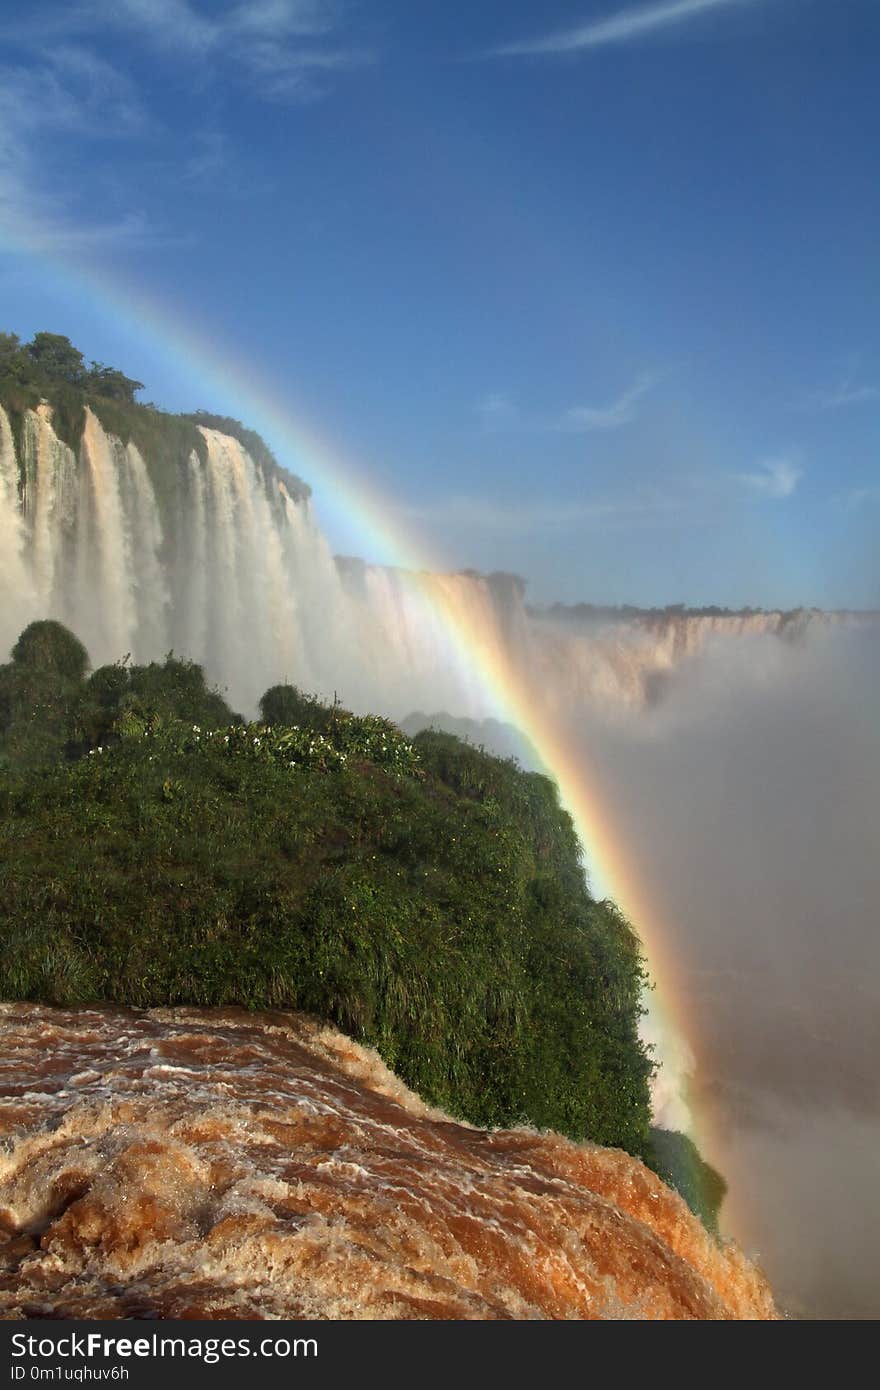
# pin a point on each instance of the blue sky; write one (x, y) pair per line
(589, 290)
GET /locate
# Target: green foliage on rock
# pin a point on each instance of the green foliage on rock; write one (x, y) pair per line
(255, 445)
(678, 1161)
(56, 359)
(51, 647)
(51, 360)
(51, 710)
(110, 382)
(422, 895)
(40, 695)
(50, 368)
(286, 704)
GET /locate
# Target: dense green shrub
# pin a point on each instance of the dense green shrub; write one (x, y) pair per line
(421, 894)
(50, 710)
(679, 1163)
(50, 368)
(51, 647)
(285, 704)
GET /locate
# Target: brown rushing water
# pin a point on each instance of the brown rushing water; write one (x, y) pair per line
(208, 1163)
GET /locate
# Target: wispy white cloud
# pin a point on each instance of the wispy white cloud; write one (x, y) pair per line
(622, 27)
(208, 155)
(46, 221)
(776, 479)
(169, 23)
(68, 92)
(181, 25)
(861, 497)
(283, 74)
(499, 411)
(56, 87)
(529, 516)
(844, 394)
(582, 419)
(277, 19)
(278, 46)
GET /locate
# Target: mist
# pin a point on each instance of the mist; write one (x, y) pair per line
(747, 796)
(738, 756)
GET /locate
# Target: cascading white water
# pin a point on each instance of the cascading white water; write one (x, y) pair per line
(214, 557)
(110, 553)
(272, 604)
(149, 587)
(189, 614)
(246, 584)
(16, 582)
(48, 505)
(234, 574)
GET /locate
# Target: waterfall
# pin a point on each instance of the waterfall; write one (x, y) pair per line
(49, 487)
(110, 553)
(212, 556)
(19, 599)
(148, 588)
(240, 578)
(209, 553)
(189, 615)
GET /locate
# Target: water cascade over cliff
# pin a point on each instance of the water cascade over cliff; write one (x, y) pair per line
(211, 1163)
(143, 533)
(219, 558)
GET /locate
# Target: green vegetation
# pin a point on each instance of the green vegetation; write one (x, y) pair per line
(255, 445)
(628, 612)
(52, 711)
(677, 1160)
(51, 648)
(50, 368)
(421, 895)
(50, 359)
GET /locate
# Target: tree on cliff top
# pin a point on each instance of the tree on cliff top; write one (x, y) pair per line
(50, 359)
(57, 358)
(108, 381)
(50, 646)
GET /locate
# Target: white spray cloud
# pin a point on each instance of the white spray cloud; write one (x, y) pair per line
(747, 796)
(622, 27)
(582, 419)
(776, 478)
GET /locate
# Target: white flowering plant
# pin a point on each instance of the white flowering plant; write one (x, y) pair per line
(352, 738)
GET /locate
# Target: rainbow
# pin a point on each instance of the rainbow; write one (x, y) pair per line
(236, 389)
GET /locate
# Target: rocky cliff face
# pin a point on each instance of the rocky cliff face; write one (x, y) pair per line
(208, 1163)
(628, 660)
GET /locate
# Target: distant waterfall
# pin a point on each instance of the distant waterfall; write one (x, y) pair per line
(107, 560)
(148, 588)
(246, 586)
(19, 599)
(239, 579)
(209, 555)
(49, 505)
